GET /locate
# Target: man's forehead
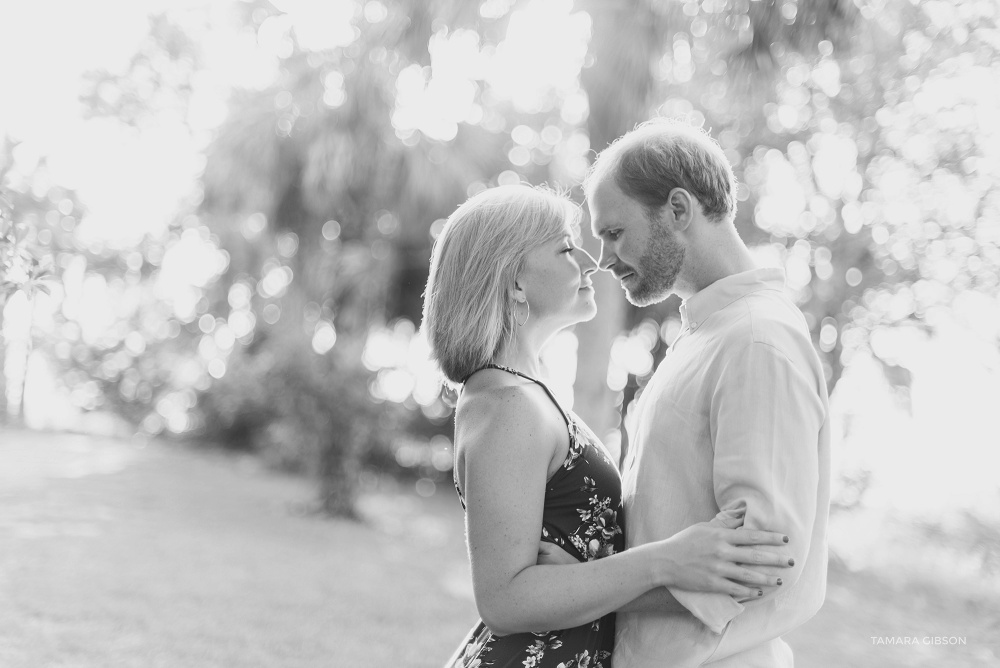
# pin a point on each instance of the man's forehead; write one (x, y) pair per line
(600, 205)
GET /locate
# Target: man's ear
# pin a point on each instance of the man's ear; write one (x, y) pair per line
(680, 207)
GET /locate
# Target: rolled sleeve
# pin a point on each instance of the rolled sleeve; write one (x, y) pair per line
(765, 418)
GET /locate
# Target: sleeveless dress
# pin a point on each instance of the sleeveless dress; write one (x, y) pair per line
(583, 515)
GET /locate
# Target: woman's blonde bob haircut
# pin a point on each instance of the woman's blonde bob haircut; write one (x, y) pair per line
(469, 300)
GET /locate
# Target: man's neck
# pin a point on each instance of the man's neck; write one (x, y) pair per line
(706, 263)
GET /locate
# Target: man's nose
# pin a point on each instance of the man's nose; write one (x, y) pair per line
(607, 259)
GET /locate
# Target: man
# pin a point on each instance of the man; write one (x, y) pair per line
(736, 415)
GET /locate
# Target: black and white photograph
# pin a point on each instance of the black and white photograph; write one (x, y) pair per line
(499, 333)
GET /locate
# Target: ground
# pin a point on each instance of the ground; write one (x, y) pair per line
(115, 553)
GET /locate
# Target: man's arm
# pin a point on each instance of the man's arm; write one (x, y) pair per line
(655, 600)
(765, 417)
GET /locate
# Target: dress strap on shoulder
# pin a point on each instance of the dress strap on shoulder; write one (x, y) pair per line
(545, 387)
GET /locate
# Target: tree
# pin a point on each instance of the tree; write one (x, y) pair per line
(618, 84)
(325, 185)
(833, 185)
(341, 201)
(25, 272)
(630, 45)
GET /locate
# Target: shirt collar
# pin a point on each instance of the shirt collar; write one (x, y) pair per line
(699, 306)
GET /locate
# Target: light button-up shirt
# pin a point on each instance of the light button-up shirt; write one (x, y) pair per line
(736, 414)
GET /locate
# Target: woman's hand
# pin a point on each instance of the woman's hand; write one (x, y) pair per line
(716, 556)
(711, 557)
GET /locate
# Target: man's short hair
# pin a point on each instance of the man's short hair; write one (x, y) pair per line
(663, 154)
(468, 303)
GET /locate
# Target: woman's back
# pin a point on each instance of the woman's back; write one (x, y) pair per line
(581, 512)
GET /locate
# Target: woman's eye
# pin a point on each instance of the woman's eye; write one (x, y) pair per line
(567, 250)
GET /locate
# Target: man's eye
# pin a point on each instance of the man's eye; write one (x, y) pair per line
(614, 234)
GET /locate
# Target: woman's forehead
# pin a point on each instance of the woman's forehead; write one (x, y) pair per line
(573, 228)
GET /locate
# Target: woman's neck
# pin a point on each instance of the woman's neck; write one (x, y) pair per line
(522, 356)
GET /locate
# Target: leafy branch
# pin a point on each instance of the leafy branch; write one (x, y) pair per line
(23, 265)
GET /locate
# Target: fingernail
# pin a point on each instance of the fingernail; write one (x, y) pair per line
(760, 593)
(785, 539)
(791, 562)
(779, 582)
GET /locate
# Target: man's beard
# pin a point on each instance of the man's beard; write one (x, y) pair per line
(656, 271)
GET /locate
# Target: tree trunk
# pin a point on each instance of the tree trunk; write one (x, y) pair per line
(618, 82)
(338, 481)
(3, 367)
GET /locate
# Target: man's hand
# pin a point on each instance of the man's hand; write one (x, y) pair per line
(550, 554)
(730, 518)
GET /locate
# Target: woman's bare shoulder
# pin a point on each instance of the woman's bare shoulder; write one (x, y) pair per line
(495, 395)
(495, 403)
(507, 423)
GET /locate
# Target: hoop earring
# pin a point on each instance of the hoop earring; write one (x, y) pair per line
(526, 315)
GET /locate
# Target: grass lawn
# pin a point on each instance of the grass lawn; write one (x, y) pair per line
(113, 555)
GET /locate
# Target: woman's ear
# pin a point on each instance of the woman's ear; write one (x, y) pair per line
(518, 294)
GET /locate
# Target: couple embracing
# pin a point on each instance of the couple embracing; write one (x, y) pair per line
(711, 542)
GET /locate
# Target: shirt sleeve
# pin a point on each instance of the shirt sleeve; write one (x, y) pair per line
(765, 417)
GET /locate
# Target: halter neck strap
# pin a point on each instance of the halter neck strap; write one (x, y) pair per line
(545, 387)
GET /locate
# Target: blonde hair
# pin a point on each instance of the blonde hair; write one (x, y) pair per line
(468, 303)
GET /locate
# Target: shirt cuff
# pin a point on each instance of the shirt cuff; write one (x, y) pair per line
(713, 610)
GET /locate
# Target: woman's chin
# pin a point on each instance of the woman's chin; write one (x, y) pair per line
(588, 313)
(582, 311)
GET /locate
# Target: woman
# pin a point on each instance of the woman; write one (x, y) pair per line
(505, 276)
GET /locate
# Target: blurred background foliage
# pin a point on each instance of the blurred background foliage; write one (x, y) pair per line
(277, 311)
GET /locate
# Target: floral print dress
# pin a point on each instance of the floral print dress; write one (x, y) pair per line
(583, 515)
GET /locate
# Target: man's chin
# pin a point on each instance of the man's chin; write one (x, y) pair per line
(636, 301)
(646, 297)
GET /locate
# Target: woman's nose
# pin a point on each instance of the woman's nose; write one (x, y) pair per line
(587, 263)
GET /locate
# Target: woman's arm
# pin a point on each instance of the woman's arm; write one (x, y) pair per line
(508, 440)
(658, 599)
